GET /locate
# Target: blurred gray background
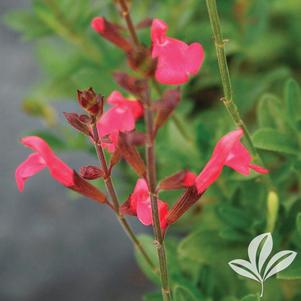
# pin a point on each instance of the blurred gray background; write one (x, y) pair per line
(51, 247)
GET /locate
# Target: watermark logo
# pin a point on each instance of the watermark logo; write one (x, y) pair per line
(261, 264)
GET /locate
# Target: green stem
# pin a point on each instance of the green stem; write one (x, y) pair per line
(112, 192)
(152, 182)
(226, 82)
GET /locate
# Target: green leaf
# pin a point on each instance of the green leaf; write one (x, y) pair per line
(234, 217)
(269, 112)
(201, 246)
(231, 234)
(273, 140)
(292, 94)
(181, 293)
(251, 298)
(293, 272)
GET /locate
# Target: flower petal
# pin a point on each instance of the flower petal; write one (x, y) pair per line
(144, 212)
(116, 119)
(176, 60)
(139, 204)
(28, 168)
(258, 168)
(117, 99)
(57, 168)
(215, 165)
(239, 159)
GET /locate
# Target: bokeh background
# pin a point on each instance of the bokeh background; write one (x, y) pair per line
(55, 245)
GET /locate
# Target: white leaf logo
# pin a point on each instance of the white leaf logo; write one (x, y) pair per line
(259, 268)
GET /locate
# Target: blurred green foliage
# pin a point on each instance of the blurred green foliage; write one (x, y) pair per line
(264, 54)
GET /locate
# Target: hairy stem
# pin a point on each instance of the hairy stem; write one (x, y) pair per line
(226, 82)
(113, 196)
(152, 183)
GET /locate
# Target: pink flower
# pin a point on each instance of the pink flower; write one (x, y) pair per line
(120, 118)
(139, 204)
(228, 152)
(177, 61)
(42, 157)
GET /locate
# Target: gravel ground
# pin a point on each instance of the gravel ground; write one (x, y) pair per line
(51, 247)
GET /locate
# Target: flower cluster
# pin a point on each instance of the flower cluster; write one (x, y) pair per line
(176, 61)
(172, 62)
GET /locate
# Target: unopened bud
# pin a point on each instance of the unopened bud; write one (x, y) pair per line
(131, 84)
(90, 101)
(272, 210)
(91, 172)
(166, 106)
(110, 32)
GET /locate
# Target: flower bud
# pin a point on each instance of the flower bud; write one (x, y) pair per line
(91, 172)
(166, 106)
(272, 210)
(131, 84)
(90, 101)
(110, 32)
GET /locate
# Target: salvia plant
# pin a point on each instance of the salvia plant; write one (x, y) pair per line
(256, 182)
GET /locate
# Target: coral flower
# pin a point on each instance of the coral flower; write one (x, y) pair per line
(139, 204)
(228, 152)
(177, 61)
(120, 118)
(42, 157)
